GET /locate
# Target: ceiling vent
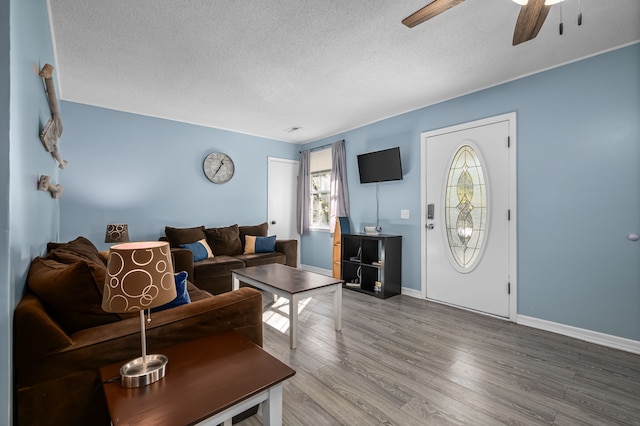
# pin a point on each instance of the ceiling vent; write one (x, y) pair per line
(292, 129)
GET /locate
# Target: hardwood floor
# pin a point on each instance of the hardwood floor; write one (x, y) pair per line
(406, 361)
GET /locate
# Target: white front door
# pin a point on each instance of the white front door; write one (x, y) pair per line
(282, 182)
(467, 211)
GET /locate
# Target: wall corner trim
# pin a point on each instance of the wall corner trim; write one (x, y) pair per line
(412, 292)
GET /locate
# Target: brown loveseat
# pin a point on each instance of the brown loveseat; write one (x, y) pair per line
(62, 336)
(228, 246)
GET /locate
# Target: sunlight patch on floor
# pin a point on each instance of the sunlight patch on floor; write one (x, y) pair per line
(276, 315)
(276, 321)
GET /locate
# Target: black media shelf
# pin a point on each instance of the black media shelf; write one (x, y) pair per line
(372, 264)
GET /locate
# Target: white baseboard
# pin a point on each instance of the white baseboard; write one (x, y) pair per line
(596, 337)
(411, 292)
(405, 290)
(317, 270)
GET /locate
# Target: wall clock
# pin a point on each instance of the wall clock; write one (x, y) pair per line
(218, 167)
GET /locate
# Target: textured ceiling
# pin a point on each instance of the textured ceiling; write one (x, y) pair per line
(260, 67)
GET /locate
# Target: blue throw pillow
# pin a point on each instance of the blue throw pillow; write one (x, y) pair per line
(200, 250)
(259, 244)
(181, 289)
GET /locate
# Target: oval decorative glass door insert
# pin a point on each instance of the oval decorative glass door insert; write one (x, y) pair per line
(466, 208)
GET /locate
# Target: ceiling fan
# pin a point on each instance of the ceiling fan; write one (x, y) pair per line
(530, 20)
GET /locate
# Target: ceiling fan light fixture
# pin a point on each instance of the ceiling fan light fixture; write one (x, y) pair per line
(521, 2)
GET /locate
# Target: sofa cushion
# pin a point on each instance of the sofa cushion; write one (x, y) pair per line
(224, 241)
(200, 250)
(72, 251)
(195, 293)
(219, 265)
(182, 294)
(70, 293)
(258, 259)
(177, 236)
(199, 295)
(255, 230)
(259, 244)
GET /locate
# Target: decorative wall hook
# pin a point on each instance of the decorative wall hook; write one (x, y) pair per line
(53, 129)
(47, 74)
(44, 184)
(50, 142)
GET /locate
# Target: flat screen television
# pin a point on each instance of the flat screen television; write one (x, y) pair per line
(380, 166)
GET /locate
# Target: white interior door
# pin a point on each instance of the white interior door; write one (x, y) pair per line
(282, 197)
(467, 229)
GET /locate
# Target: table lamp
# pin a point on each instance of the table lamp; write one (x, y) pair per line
(139, 277)
(117, 233)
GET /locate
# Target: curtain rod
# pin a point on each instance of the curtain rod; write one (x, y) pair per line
(317, 148)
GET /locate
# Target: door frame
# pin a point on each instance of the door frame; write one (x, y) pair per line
(512, 202)
(270, 161)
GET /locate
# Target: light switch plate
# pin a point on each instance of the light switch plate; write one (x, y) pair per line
(404, 214)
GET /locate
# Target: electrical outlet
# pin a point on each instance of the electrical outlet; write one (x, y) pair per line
(404, 214)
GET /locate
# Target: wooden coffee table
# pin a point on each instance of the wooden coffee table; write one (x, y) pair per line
(208, 380)
(292, 284)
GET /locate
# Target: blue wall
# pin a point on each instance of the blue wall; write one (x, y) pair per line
(32, 215)
(578, 180)
(147, 172)
(578, 188)
(576, 266)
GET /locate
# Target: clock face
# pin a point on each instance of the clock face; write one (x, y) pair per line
(218, 167)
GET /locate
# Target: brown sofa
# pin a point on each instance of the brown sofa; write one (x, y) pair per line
(229, 249)
(62, 336)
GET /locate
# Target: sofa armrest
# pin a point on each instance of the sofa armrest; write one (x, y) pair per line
(183, 261)
(290, 249)
(34, 330)
(93, 348)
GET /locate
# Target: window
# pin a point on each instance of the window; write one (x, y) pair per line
(320, 191)
(319, 205)
(466, 208)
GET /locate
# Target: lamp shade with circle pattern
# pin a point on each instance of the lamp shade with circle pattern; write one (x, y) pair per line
(139, 277)
(117, 233)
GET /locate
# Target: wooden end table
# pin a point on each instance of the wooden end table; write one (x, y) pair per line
(292, 284)
(208, 380)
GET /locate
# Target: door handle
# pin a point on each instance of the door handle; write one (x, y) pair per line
(430, 226)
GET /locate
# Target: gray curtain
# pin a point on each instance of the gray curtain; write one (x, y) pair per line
(304, 187)
(339, 203)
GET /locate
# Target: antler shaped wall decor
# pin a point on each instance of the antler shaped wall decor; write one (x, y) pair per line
(53, 129)
(44, 184)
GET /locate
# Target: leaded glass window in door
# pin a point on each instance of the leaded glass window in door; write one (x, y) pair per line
(466, 208)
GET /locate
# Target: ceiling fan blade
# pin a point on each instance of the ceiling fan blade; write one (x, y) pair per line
(436, 7)
(530, 20)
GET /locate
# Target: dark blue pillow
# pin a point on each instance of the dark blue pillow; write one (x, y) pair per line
(181, 289)
(198, 249)
(259, 244)
(266, 244)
